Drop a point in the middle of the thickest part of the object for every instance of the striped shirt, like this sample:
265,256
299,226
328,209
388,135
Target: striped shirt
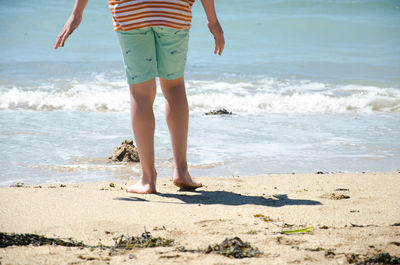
136,14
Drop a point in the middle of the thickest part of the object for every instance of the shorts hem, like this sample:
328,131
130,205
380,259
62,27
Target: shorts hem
171,77
131,81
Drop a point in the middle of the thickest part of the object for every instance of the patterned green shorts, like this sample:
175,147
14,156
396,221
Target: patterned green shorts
154,51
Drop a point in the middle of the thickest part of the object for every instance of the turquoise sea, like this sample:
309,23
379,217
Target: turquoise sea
314,85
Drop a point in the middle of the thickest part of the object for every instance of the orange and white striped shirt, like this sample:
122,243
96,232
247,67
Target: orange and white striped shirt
136,14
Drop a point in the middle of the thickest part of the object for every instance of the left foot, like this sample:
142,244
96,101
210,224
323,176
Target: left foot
185,182
141,188
144,185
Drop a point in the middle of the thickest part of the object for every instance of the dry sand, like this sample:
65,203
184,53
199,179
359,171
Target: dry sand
95,213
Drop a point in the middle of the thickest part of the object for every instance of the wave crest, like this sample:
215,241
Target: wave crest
263,95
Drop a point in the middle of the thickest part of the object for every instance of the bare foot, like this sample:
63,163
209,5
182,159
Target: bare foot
143,186
185,182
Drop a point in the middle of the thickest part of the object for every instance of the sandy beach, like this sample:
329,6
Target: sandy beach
353,216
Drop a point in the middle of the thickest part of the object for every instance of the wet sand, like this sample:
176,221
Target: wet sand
352,216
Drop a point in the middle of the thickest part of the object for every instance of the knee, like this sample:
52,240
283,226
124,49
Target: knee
142,96
174,91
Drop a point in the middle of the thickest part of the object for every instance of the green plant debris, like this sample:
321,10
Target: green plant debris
305,230
159,228
234,248
383,258
265,218
259,215
7,239
335,196
146,240
251,232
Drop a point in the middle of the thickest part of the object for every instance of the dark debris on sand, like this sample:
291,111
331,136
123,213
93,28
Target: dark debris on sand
234,248
335,196
381,259
146,240
127,152
12,239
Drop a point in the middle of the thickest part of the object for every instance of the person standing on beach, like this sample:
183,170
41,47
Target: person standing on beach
153,36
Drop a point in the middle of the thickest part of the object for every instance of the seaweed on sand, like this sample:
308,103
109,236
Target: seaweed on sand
12,239
383,258
234,248
146,240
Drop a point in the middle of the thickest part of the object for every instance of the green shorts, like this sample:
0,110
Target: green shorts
154,51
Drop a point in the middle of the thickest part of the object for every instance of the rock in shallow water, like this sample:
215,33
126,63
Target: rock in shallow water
219,112
127,152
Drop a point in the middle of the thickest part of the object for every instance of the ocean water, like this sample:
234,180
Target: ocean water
314,85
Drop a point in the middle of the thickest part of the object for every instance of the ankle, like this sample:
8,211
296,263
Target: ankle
181,168
149,178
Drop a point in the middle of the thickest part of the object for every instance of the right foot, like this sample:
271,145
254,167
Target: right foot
185,182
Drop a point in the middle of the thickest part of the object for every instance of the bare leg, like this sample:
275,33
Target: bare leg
177,114
143,124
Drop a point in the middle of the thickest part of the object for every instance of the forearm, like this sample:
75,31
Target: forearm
209,8
79,7
72,23
214,26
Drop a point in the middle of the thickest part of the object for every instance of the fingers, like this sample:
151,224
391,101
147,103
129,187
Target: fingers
219,45
59,40
72,23
65,36
218,33
62,38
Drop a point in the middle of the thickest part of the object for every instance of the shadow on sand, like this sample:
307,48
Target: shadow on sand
225,198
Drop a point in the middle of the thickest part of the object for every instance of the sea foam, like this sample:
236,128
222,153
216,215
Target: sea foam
259,96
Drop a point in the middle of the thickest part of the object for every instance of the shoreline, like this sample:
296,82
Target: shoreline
351,213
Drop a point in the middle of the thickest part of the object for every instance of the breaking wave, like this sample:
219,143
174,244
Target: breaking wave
262,95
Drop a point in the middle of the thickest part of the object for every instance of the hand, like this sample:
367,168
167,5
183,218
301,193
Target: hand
218,33
72,23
